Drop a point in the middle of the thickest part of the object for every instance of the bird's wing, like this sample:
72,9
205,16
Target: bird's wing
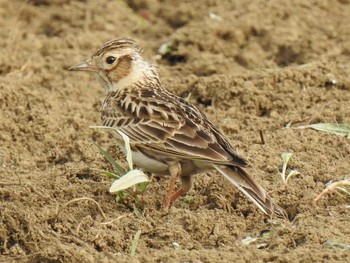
158,120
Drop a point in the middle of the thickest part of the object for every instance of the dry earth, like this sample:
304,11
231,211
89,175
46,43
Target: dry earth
251,66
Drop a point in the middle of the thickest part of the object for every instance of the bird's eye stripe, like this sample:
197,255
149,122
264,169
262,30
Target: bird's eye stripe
110,60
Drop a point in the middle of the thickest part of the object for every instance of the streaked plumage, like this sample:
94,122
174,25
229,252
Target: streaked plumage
168,135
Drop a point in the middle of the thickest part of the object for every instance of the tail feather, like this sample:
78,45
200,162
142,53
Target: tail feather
246,184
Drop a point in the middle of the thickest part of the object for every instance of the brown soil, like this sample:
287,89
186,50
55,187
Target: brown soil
255,66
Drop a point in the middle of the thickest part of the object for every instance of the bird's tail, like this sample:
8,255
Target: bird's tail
246,184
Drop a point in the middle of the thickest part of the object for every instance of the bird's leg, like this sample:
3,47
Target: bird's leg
175,171
185,187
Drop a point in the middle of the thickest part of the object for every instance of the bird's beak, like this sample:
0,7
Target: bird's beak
84,66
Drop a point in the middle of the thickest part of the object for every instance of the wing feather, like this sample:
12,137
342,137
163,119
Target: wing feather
167,124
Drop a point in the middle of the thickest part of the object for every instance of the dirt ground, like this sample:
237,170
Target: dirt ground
251,66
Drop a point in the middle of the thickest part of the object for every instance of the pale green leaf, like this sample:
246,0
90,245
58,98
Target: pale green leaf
110,159
343,190
338,129
292,173
142,187
137,212
336,244
166,49
126,140
285,159
107,173
134,243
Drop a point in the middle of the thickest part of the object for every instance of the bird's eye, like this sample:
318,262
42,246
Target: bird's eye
110,60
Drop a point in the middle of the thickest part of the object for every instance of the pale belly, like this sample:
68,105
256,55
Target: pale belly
148,164
160,164
145,163
188,167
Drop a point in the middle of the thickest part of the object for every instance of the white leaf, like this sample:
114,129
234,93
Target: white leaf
128,149
247,240
215,16
292,173
129,179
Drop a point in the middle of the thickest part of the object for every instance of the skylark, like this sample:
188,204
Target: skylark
168,135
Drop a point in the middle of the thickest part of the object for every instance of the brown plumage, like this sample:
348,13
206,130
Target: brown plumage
168,135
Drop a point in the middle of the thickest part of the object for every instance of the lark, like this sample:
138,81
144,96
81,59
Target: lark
168,135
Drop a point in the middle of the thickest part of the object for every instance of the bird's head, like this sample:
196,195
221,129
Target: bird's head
117,63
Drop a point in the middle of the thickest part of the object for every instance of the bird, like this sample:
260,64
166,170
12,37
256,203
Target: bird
168,135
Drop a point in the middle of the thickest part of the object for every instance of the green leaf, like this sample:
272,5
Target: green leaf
126,141
134,243
109,174
120,195
286,157
142,187
166,49
336,244
110,159
137,212
186,200
265,234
